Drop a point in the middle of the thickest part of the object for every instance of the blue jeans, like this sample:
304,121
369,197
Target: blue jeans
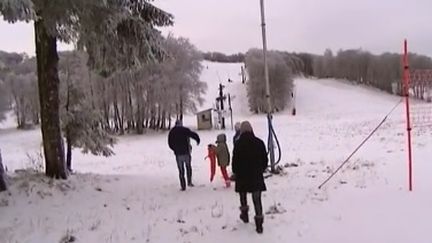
182,161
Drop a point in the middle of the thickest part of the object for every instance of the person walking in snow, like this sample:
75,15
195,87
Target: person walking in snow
179,142
249,163
223,157
235,139
211,154
237,132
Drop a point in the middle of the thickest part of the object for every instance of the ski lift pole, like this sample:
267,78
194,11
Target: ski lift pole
268,97
231,111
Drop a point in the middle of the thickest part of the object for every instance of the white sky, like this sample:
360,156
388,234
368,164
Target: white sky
293,25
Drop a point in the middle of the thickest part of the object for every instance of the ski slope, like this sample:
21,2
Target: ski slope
134,196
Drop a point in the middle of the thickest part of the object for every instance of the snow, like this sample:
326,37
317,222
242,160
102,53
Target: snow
134,196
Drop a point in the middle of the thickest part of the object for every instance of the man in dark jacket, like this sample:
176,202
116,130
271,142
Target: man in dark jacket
249,163
179,142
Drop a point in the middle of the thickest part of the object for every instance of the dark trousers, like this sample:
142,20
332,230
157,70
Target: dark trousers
182,162
256,198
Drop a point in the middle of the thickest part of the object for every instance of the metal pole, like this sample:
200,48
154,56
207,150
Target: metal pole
267,80
231,111
221,99
407,108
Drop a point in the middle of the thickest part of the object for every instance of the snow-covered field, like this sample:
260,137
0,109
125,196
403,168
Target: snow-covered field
134,196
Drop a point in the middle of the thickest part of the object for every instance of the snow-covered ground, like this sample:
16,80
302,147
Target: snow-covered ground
134,196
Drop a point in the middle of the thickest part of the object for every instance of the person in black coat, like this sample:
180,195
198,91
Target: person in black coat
179,142
248,164
235,139
237,132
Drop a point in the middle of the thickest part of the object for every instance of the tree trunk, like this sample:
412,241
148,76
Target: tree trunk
131,118
169,119
158,120
163,120
122,111
116,115
139,117
36,118
48,82
69,150
106,109
91,89
68,129
3,186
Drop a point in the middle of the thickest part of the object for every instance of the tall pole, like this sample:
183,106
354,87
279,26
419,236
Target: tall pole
267,81
407,107
221,100
231,111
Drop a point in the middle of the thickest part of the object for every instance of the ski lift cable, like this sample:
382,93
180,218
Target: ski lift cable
361,145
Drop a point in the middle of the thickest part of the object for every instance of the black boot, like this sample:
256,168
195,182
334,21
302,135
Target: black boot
182,184
189,181
259,220
244,214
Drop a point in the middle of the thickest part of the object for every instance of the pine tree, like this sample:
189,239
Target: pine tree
115,33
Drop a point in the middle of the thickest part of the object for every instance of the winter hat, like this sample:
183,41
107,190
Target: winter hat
246,127
237,126
179,123
221,138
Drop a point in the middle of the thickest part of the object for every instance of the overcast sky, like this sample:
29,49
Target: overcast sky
293,25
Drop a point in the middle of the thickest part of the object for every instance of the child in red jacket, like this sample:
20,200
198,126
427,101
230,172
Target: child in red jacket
221,153
211,154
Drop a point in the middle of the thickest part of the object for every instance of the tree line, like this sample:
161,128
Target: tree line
223,58
121,36
121,49
94,107
359,66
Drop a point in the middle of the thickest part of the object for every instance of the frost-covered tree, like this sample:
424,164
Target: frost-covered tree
148,97
80,120
115,33
7,62
21,80
281,80
360,66
182,80
4,100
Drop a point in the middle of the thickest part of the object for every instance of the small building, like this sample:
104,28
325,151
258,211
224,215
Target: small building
205,119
